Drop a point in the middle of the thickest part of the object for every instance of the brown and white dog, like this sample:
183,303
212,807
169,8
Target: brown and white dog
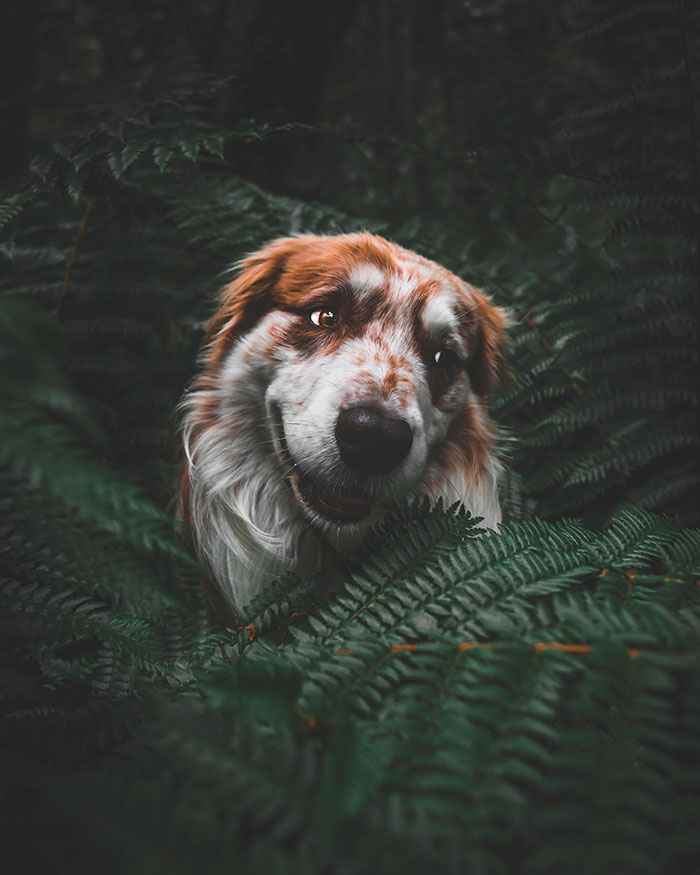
340,374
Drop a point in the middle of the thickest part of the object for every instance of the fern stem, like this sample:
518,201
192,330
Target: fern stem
538,647
71,259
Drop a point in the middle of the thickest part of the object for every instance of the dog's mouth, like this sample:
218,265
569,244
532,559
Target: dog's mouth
337,507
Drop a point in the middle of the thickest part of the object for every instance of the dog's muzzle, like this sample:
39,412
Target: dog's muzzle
370,441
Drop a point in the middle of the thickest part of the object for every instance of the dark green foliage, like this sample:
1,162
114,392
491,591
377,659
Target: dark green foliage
383,722
454,700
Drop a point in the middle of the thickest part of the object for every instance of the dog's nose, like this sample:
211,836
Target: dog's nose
372,441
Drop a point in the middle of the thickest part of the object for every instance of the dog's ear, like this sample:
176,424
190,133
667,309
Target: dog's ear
245,300
487,339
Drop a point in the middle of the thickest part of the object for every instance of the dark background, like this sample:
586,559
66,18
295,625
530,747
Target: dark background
413,93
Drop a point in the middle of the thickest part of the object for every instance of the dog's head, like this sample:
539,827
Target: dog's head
357,371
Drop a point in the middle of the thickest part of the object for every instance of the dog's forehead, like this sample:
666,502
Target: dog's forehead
377,272
366,279
410,288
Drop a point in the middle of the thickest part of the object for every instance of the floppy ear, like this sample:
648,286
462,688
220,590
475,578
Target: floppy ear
487,364
244,301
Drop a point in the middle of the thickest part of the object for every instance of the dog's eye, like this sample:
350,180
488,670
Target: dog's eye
446,359
323,318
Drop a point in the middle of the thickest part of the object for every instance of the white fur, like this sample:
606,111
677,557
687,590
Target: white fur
439,314
366,278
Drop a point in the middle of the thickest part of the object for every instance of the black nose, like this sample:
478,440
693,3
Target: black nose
371,441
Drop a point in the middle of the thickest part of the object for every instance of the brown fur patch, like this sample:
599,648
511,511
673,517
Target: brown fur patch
467,446
485,328
390,383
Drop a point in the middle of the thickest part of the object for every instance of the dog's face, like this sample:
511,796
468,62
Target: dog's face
357,370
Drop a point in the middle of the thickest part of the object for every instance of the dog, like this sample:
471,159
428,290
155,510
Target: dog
340,374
